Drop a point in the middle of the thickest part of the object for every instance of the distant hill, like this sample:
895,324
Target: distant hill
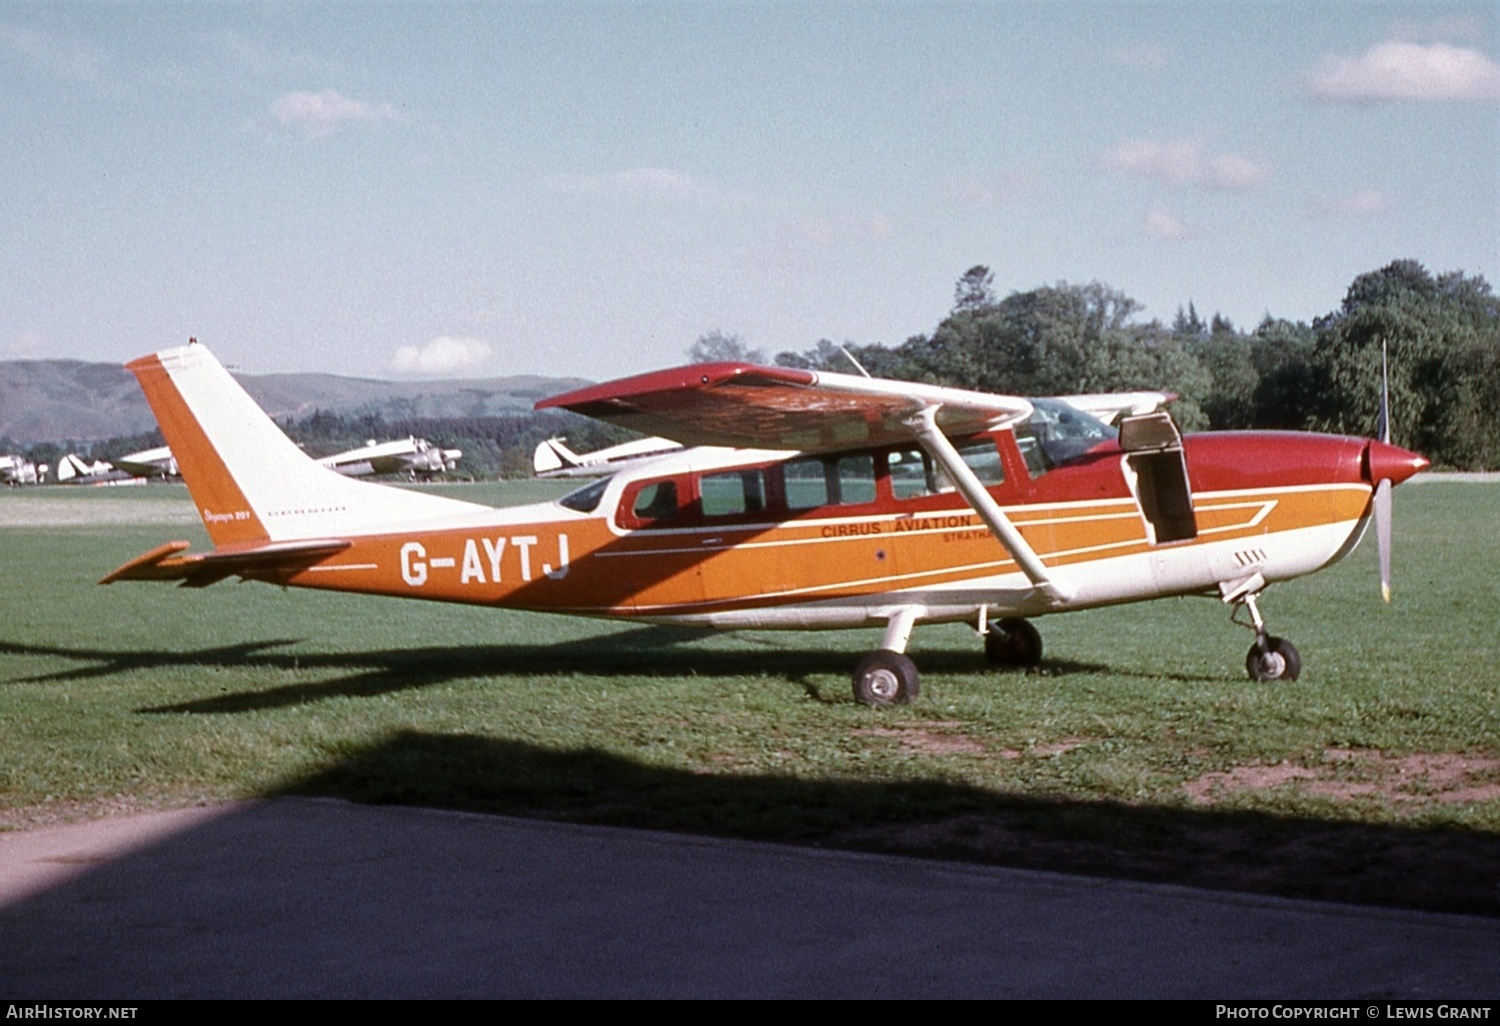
74,401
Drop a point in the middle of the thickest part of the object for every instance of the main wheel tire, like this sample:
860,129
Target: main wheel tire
1273,659
884,678
1013,643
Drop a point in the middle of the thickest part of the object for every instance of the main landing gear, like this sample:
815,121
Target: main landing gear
888,677
1013,642
1270,658
885,678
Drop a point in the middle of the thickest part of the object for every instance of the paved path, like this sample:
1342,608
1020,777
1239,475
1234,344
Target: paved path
301,897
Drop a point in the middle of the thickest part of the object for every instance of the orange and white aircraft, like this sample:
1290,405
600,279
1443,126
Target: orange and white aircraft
804,500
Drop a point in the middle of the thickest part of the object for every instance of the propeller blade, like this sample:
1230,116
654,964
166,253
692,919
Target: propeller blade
1383,534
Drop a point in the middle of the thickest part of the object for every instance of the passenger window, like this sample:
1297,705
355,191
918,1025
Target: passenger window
853,479
813,482
806,484
656,501
734,493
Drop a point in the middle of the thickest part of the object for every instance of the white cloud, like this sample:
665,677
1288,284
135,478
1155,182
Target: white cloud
645,182
28,345
442,355
1365,203
320,113
1166,226
1186,162
1399,70
989,191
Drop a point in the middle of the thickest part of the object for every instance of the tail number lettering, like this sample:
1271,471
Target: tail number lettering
482,560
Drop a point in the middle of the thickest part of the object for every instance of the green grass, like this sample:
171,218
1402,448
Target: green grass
1376,777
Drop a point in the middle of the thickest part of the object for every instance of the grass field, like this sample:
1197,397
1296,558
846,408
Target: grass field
1138,748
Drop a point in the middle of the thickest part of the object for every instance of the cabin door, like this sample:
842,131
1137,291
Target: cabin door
1156,471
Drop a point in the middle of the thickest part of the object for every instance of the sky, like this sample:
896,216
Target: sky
463,190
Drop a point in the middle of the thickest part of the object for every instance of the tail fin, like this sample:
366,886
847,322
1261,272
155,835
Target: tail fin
552,458
250,482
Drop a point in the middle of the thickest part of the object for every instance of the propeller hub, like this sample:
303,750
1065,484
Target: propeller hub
1386,462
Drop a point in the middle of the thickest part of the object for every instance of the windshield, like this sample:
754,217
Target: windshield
1056,433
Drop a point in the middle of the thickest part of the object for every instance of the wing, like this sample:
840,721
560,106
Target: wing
745,406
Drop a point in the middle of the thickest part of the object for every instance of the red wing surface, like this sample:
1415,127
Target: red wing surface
750,407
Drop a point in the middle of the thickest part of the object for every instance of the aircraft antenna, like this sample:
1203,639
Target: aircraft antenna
857,365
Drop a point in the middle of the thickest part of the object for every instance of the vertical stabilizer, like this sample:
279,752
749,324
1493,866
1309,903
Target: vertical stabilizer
249,480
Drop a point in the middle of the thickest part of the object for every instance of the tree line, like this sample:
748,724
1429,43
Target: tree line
1442,333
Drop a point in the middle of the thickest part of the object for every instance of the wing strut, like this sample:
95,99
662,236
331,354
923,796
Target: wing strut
973,490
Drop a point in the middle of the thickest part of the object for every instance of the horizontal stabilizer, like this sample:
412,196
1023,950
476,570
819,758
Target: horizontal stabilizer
198,570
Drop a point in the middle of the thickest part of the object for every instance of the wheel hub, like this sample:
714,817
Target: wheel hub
1273,665
883,684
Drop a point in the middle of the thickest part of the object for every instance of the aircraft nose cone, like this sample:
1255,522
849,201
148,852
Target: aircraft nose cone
1386,462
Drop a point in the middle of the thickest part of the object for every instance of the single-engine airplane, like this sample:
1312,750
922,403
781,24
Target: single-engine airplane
804,499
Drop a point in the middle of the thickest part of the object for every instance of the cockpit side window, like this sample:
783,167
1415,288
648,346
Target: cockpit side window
911,473
914,473
1057,433
983,459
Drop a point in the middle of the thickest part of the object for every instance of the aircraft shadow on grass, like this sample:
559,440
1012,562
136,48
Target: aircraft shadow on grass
643,651
1439,869
1434,869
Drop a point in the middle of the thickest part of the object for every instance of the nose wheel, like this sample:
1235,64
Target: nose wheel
1270,658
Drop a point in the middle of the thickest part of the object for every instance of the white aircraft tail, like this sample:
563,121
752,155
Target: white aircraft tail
251,483
553,457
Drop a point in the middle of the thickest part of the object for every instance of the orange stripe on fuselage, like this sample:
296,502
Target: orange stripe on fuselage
582,566
226,512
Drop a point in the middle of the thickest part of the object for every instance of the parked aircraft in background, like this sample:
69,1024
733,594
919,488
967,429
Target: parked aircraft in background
74,469
18,470
554,459
148,463
810,500
137,467
415,457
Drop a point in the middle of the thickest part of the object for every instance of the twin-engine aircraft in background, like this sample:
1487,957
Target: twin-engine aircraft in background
801,499
414,457
137,468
